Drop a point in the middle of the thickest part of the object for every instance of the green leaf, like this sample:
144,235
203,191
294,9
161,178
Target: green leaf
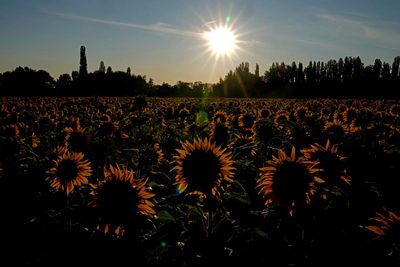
242,198
260,233
165,216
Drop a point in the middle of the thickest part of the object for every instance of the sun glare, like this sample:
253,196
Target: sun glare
221,40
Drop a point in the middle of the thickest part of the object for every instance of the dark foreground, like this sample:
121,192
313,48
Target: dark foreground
258,182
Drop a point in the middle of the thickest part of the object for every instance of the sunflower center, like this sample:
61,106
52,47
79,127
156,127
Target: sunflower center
67,170
106,128
202,169
330,164
77,141
291,181
221,134
336,130
117,202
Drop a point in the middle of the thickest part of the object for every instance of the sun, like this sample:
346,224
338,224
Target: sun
222,41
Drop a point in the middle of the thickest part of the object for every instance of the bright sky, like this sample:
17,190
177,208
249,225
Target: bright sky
162,39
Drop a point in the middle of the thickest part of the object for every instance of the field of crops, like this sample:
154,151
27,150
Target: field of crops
195,182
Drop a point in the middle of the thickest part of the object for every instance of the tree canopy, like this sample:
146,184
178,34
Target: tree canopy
348,77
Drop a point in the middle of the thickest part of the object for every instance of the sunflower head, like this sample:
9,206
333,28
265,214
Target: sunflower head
325,113
300,113
385,223
202,168
264,113
119,199
288,181
183,114
350,114
11,130
394,110
263,130
243,146
339,116
219,133
70,170
335,130
107,128
76,139
34,140
221,117
342,108
281,117
160,154
330,161
246,120
105,118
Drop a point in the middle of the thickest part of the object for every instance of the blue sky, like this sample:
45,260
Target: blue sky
157,38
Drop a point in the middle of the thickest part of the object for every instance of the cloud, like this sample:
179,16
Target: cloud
385,34
156,27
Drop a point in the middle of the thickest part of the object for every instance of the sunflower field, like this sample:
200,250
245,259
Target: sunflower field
199,182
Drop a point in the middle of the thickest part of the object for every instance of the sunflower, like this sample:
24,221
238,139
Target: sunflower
219,133
221,117
349,115
387,223
76,139
288,181
119,198
11,130
160,154
243,145
300,113
263,130
246,121
335,130
105,118
330,161
339,116
203,168
183,114
107,129
325,113
264,114
59,151
34,140
70,170
394,110
281,117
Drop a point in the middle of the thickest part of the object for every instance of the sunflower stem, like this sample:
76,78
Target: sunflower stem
69,222
210,222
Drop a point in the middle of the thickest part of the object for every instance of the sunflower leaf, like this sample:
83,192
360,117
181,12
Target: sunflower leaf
261,233
165,217
242,198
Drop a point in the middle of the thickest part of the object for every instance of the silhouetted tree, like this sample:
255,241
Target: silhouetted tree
63,83
83,63
385,71
293,72
342,78
300,74
341,69
109,70
377,68
257,71
27,82
75,75
102,67
395,67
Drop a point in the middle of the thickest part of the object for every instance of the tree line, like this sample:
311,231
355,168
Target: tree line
348,77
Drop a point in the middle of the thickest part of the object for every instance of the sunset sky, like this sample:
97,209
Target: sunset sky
163,39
